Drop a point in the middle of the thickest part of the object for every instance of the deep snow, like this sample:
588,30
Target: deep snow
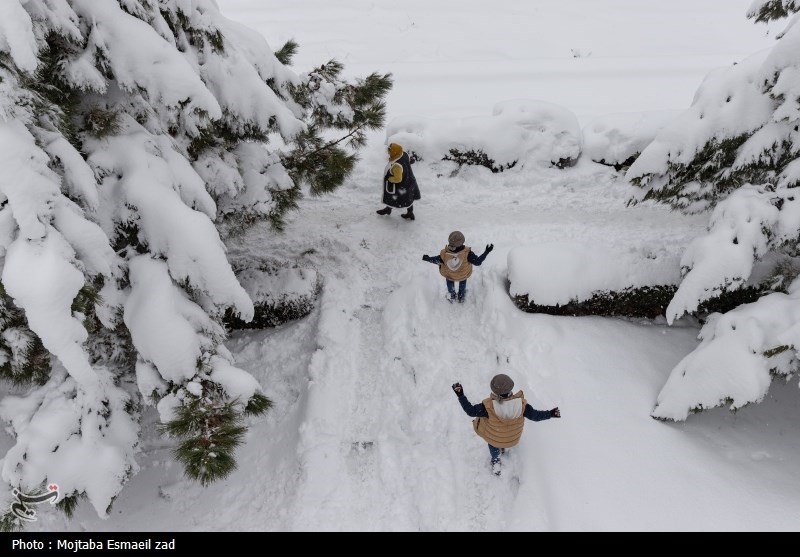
365,434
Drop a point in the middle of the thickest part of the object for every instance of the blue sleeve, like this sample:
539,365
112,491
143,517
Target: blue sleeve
435,259
473,410
477,259
536,415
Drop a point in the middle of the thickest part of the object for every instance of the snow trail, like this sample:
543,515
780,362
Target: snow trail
366,434
381,422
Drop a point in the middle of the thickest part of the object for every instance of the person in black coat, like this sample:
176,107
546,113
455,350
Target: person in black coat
400,188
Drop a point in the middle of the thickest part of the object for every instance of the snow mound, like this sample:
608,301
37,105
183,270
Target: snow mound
273,285
559,272
518,132
617,138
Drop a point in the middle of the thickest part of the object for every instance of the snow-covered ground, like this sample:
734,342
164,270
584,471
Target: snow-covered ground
457,58
365,434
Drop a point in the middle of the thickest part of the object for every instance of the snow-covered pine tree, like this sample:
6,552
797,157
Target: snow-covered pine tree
736,152
134,135
764,11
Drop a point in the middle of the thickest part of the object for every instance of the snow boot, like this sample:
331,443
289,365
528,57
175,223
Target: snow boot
385,211
461,298
496,467
451,297
409,214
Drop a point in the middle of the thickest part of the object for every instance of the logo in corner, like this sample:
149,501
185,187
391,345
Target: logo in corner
23,509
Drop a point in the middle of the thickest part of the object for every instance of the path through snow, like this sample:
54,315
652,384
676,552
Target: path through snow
385,444
366,434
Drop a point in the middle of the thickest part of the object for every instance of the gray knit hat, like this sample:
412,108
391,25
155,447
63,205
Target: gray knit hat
456,239
501,384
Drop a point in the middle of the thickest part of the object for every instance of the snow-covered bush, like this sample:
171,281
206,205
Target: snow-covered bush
280,293
518,132
618,139
131,133
736,151
568,278
558,272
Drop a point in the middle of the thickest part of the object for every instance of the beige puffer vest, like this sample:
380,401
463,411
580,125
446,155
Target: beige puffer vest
455,266
496,431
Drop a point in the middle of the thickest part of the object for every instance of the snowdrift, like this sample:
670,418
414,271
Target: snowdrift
518,132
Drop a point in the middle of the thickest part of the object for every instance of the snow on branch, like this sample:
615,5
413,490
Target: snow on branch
688,163
743,228
17,37
82,439
740,352
167,328
143,172
142,62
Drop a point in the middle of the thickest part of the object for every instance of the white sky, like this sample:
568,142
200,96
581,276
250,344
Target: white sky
366,433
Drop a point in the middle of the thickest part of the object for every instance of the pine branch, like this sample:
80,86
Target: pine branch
330,70
28,360
68,504
294,160
285,53
212,430
374,86
257,405
10,523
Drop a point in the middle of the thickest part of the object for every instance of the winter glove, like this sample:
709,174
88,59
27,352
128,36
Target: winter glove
489,247
458,389
555,413
426,257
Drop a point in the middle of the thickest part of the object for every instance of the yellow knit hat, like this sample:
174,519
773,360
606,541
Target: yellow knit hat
395,151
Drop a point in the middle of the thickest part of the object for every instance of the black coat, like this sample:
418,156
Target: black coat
404,193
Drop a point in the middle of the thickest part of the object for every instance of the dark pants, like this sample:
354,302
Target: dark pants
462,288
495,452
